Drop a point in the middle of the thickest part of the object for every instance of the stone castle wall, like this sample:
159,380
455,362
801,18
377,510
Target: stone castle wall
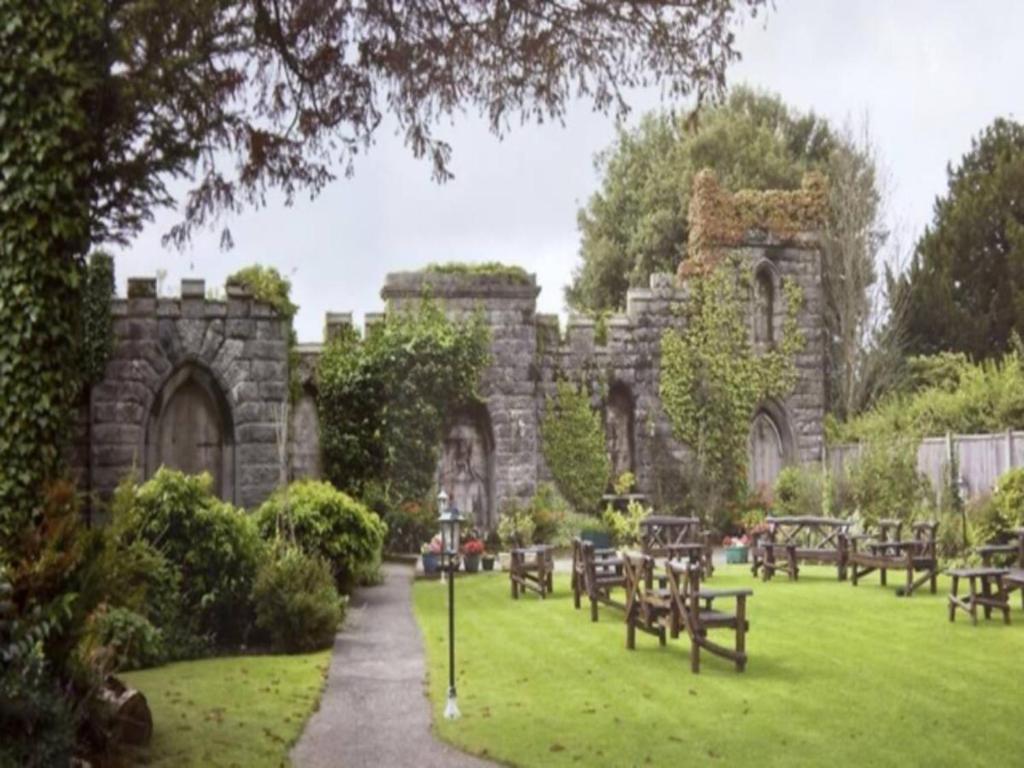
193,383
204,385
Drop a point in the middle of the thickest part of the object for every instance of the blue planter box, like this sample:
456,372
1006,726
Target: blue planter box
736,554
600,539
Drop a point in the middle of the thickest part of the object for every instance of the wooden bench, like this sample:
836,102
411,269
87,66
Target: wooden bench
595,573
790,541
692,607
888,552
531,568
1014,554
676,538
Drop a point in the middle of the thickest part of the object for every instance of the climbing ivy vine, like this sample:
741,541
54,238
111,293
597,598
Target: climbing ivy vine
712,377
45,87
384,401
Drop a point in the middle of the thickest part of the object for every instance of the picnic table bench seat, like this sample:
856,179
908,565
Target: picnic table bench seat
531,568
684,606
595,573
888,551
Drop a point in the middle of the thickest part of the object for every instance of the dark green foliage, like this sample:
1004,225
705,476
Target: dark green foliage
410,524
383,402
637,223
44,686
572,438
267,285
945,393
327,523
886,484
214,547
798,491
965,287
45,83
97,321
296,602
994,518
506,272
133,642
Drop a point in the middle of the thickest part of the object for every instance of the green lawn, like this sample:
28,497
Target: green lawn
838,675
243,711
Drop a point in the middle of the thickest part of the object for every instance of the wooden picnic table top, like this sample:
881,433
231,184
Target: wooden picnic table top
983,571
668,520
808,520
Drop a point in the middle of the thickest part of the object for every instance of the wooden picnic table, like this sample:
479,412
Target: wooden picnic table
889,551
675,537
791,540
993,592
1014,579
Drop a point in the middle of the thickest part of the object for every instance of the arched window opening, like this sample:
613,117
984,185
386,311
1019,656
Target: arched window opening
764,308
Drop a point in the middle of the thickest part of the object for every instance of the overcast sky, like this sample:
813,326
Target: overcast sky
928,75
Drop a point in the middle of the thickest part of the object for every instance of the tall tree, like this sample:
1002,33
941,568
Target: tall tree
964,289
102,102
636,223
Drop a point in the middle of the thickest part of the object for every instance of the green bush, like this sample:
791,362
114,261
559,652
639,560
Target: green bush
548,510
885,482
409,525
1009,499
515,526
327,523
572,438
134,643
297,605
799,491
946,393
214,547
384,401
625,526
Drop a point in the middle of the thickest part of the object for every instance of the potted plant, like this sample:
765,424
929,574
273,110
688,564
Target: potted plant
597,533
431,554
471,552
736,548
492,545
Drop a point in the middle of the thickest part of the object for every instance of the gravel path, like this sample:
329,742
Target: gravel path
374,711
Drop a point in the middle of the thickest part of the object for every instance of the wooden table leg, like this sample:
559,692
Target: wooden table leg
986,593
953,598
972,600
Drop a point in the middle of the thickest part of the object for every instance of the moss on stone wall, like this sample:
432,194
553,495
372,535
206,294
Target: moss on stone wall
720,219
512,274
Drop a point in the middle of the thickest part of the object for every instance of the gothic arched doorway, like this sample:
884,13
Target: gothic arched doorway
190,429
768,451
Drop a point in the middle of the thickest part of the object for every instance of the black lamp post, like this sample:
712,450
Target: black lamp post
449,518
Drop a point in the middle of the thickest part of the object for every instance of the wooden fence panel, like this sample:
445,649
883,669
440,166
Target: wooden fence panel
982,459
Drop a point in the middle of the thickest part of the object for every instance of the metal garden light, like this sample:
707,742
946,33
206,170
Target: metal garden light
449,518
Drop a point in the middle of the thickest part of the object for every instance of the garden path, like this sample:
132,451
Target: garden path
374,711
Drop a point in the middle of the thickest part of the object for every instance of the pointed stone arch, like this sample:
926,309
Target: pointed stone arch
620,429
770,445
466,470
190,427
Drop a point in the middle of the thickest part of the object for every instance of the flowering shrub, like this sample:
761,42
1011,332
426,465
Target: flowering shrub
432,547
473,547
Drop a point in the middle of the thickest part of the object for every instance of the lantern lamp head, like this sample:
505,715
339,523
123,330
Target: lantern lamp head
449,519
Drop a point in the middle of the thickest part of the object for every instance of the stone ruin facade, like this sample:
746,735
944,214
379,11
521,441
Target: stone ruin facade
201,384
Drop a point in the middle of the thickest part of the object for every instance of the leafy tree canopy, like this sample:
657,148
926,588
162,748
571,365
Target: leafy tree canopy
636,223
965,286
248,95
